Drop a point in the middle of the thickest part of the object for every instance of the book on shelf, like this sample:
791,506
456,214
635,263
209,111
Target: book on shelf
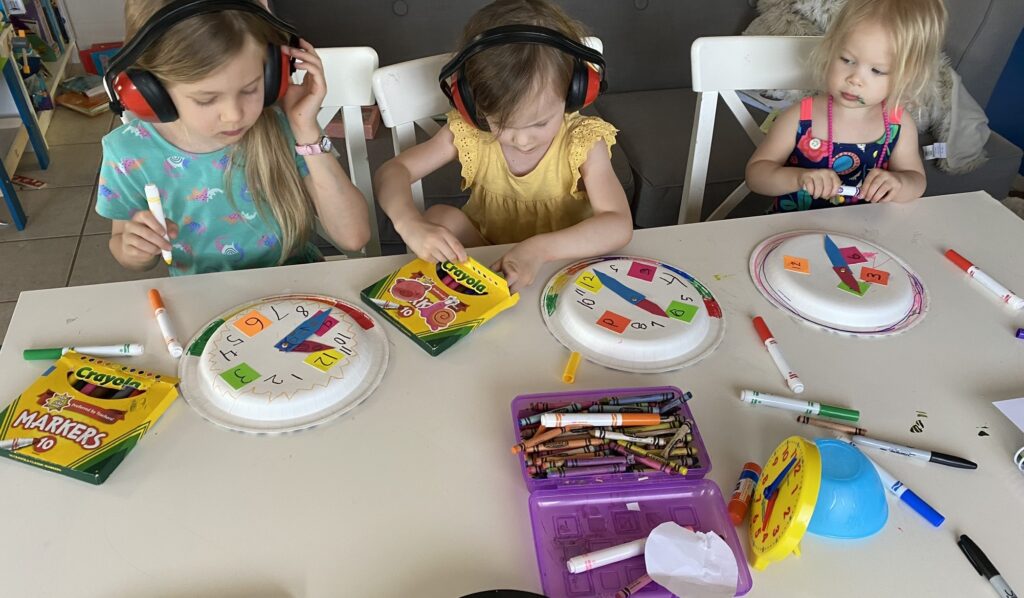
85,105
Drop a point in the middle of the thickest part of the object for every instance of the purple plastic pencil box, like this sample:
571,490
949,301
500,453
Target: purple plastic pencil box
574,516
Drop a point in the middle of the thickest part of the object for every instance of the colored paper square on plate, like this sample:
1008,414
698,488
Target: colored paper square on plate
251,323
874,276
240,375
864,286
853,255
588,281
642,271
324,360
799,265
683,312
613,321
329,323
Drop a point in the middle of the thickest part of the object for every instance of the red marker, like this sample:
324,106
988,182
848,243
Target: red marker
794,382
1007,296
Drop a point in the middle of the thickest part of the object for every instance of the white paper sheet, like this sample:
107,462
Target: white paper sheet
691,564
1013,409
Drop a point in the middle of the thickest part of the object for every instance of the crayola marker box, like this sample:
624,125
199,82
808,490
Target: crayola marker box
83,416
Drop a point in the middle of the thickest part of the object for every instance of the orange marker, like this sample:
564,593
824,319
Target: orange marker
741,494
162,319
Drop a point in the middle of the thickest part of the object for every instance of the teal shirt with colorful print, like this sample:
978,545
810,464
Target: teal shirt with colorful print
215,233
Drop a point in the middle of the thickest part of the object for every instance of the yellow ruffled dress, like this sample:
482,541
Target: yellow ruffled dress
506,208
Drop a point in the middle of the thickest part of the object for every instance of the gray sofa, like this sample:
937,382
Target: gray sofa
647,48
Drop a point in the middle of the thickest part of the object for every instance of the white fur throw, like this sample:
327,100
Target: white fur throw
946,110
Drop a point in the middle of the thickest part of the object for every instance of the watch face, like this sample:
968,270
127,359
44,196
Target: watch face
784,499
632,313
325,143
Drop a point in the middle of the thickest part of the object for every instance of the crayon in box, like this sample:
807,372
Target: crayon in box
55,426
436,305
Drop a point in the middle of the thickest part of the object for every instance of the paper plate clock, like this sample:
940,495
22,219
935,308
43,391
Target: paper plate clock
839,283
632,313
283,363
784,500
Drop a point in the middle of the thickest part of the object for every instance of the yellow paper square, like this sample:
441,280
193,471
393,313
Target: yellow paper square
324,360
588,281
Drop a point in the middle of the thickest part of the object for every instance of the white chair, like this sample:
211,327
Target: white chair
720,67
409,96
349,72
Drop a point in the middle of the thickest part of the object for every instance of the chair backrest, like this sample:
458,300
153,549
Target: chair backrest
721,66
349,73
409,96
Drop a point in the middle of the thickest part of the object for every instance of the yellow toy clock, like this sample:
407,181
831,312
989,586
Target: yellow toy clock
784,500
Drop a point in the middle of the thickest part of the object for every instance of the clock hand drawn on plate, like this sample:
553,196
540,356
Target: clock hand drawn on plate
842,269
634,297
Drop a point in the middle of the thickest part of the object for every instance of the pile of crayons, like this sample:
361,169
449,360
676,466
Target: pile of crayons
647,432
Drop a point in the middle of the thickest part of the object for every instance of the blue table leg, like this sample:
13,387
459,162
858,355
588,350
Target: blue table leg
11,199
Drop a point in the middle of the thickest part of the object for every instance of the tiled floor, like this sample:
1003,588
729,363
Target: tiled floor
65,243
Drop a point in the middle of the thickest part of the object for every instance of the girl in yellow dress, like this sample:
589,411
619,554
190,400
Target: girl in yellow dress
540,174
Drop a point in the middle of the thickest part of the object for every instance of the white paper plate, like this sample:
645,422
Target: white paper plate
584,312
816,296
234,376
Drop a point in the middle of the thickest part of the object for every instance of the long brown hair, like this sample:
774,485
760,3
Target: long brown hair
916,27
501,77
192,49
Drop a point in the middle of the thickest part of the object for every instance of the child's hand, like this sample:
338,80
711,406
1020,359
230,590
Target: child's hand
431,242
142,238
301,103
520,265
880,185
820,182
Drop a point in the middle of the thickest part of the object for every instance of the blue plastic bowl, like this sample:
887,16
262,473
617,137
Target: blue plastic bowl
851,501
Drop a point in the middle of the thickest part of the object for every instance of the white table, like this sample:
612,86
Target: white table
196,510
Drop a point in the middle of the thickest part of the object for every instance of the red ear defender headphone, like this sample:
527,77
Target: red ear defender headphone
586,83
141,93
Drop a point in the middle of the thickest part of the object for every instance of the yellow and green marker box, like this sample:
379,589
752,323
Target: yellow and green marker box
83,416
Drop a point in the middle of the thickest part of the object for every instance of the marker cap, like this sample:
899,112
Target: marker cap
42,354
962,262
922,508
762,329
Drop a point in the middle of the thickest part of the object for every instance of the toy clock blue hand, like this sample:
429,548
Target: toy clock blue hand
772,488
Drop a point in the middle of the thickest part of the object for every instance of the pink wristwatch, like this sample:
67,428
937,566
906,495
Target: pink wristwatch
322,146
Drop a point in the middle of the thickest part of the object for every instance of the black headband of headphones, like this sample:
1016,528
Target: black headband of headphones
178,11
521,34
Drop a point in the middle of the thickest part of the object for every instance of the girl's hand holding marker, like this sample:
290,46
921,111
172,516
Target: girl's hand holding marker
148,234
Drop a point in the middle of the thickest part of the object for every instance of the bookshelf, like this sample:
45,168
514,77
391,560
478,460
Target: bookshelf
21,126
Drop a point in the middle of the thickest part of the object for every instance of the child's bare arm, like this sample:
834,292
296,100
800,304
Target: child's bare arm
767,173
905,180
609,229
339,204
392,181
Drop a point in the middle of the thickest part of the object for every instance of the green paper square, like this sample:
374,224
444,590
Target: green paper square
864,286
240,375
683,312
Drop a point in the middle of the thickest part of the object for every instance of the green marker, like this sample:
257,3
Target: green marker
806,407
125,350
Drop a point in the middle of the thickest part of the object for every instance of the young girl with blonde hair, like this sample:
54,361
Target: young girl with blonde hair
219,131
540,174
855,142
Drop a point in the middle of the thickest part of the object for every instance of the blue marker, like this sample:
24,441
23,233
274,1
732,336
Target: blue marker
907,495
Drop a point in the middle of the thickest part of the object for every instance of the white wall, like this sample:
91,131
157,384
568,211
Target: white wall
96,20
